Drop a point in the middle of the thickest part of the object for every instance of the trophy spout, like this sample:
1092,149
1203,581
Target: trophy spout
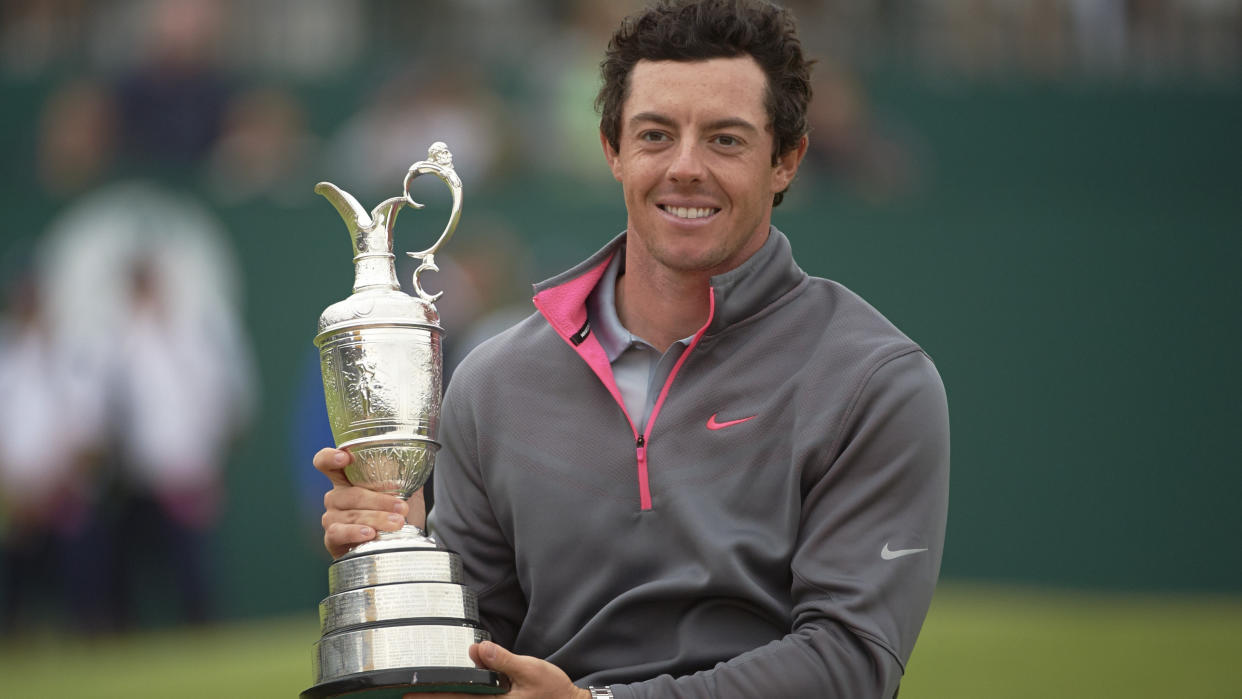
346,205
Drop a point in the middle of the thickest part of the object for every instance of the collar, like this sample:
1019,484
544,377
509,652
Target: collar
613,336
739,293
602,310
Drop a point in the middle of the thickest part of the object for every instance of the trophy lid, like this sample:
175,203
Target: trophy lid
377,307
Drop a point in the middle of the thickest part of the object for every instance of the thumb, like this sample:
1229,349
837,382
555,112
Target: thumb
493,657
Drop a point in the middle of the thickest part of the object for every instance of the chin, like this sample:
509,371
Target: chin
692,260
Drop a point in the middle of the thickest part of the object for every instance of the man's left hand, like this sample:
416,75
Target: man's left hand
532,678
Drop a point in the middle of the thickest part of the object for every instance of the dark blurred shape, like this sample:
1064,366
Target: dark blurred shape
77,137
45,473
172,104
848,145
264,149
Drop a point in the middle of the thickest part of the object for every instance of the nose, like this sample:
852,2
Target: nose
687,163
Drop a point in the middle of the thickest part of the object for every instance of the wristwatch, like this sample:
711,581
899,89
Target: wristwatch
601,692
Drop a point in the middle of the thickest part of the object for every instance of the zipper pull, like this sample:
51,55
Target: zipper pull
641,442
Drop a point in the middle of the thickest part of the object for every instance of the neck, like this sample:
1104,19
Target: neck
662,307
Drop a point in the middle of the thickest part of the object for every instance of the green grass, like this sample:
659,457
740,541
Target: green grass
268,658
988,642
978,642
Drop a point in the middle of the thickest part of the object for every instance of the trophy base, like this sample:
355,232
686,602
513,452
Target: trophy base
394,684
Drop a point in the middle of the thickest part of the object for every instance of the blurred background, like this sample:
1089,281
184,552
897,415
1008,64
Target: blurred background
1046,194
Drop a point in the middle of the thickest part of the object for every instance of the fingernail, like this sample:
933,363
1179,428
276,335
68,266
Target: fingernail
341,458
368,532
487,651
400,507
396,519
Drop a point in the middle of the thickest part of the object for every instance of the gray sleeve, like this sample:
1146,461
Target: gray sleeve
868,555
463,521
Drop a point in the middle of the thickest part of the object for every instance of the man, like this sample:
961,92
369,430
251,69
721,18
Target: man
695,472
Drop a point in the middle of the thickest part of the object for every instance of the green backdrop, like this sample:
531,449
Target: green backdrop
1069,257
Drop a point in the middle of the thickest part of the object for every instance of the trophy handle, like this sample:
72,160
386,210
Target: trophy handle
439,163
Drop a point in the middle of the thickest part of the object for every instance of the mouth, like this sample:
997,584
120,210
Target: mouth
689,213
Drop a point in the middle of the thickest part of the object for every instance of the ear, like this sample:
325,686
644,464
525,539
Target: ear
787,165
610,154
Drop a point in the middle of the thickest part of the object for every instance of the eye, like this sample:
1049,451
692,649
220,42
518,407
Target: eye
727,141
653,136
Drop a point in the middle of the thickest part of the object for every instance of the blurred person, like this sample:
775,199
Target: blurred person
1100,35
36,34
300,39
1155,42
410,112
564,80
173,418
263,150
497,265
695,471
142,293
172,103
849,146
44,464
1213,36
76,138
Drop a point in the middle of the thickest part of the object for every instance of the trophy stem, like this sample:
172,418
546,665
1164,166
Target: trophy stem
407,537
407,531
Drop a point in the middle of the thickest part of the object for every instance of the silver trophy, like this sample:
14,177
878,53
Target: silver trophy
397,617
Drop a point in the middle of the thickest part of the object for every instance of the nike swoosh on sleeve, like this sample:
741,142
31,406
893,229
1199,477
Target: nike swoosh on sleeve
888,554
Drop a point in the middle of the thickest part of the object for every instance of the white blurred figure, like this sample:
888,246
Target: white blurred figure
44,462
176,403
142,290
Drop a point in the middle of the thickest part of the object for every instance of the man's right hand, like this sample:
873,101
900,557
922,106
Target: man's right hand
353,515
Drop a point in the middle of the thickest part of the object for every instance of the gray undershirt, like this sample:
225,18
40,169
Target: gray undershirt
639,369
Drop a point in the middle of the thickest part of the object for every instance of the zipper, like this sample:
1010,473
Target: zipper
644,489
643,440
577,340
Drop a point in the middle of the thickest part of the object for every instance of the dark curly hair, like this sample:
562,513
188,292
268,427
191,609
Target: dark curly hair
695,30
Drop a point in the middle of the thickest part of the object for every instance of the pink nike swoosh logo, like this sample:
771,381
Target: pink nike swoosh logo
713,425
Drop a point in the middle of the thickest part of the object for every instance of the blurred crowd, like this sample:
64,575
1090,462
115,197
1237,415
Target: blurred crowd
219,87
317,39
102,439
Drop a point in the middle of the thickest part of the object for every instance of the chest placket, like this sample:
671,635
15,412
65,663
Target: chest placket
643,441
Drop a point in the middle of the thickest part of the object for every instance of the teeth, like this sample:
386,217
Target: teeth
685,212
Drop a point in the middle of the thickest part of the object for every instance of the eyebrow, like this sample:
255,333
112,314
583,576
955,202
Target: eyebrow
718,124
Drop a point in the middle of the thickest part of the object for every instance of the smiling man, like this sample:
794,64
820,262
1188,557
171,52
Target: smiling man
695,471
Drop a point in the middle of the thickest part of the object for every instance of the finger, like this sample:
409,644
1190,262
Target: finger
350,520
356,498
331,463
339,538
379,520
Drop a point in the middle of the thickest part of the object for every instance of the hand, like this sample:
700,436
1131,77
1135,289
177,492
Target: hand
353,515
532,678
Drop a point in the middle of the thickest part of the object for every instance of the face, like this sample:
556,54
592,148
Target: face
694,159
